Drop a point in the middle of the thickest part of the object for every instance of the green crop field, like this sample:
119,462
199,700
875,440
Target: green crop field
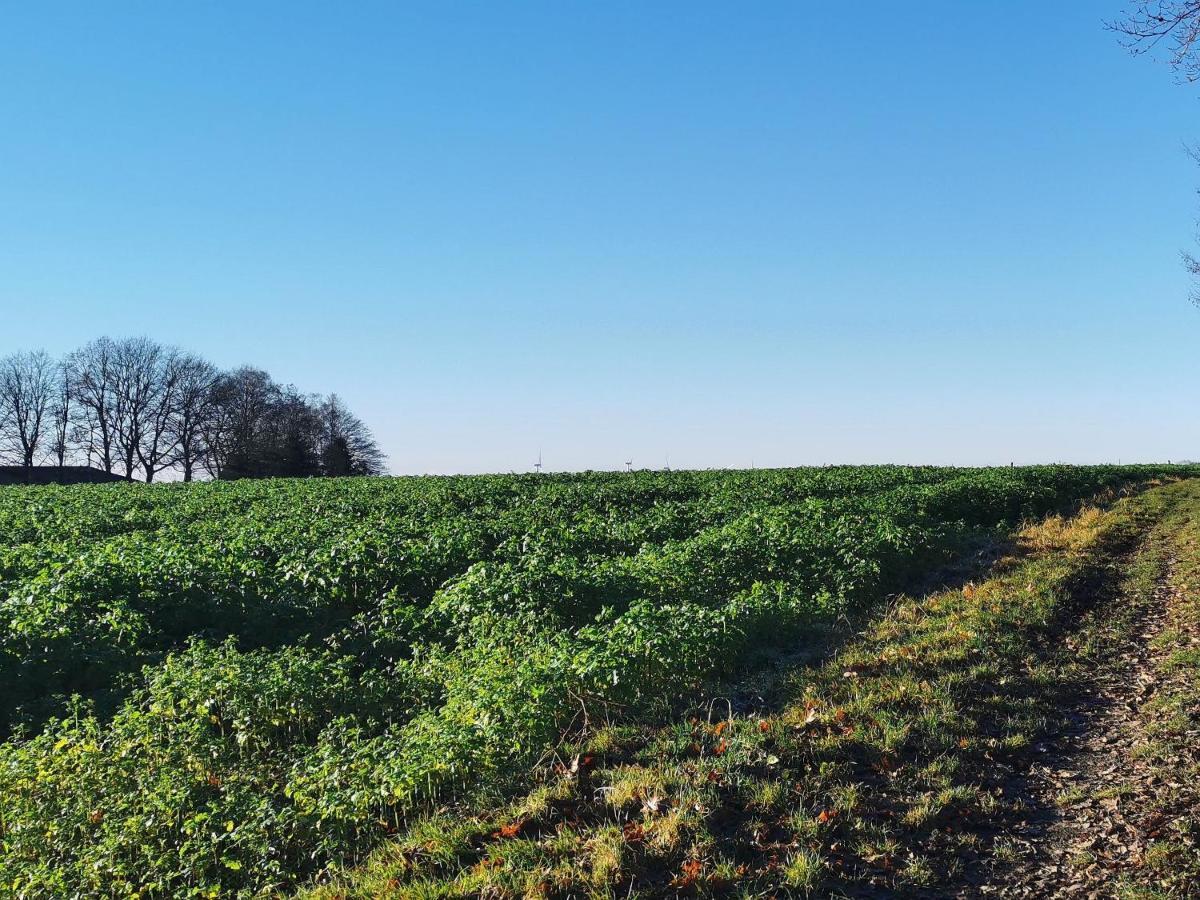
252,687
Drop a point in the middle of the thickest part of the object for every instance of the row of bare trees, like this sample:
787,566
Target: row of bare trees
137,408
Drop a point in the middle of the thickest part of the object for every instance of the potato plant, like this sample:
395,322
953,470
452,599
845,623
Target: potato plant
220,689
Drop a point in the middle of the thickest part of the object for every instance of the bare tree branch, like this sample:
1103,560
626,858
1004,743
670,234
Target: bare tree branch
1149,22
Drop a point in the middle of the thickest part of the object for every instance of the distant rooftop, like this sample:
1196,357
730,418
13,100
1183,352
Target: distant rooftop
55,475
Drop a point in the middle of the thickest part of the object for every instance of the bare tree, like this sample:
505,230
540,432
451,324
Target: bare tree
138,387
290,439
27,387
156,449
242,400
60,412
1150,22
91,372
347,445
193,412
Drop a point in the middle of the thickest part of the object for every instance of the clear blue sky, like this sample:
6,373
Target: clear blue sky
770,233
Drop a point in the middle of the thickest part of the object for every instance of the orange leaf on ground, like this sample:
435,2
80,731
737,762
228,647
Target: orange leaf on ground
692,870
511,830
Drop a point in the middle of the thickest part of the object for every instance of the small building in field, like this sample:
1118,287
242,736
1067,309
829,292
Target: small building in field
56,475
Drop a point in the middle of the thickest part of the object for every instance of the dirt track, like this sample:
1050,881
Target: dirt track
1090,806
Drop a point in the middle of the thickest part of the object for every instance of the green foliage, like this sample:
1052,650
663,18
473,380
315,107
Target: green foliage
227,688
